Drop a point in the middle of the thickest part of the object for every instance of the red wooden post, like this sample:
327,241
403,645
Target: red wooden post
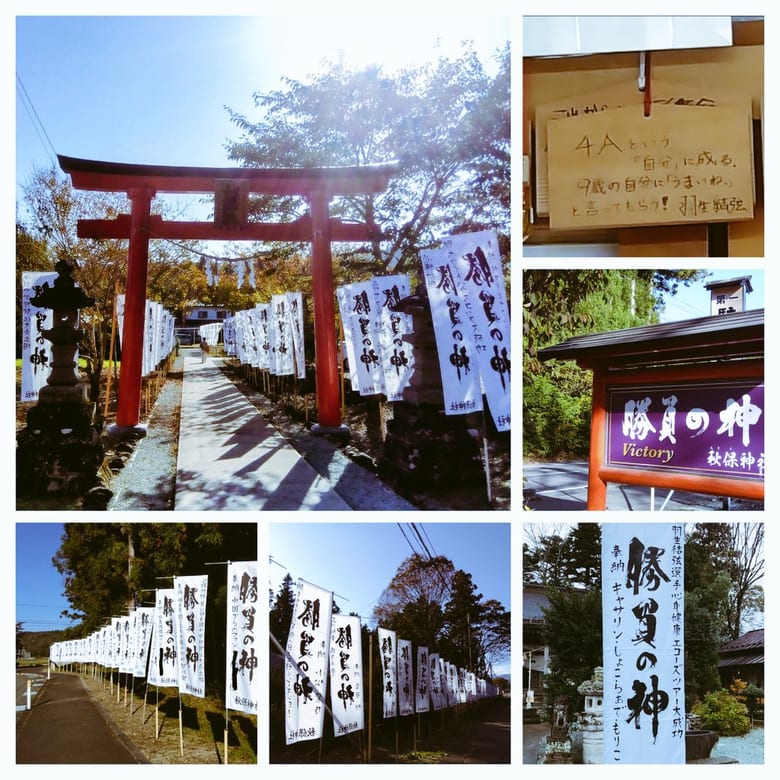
128,408
597,488
325,342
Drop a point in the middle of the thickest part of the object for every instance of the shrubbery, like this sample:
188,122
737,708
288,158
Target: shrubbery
722,712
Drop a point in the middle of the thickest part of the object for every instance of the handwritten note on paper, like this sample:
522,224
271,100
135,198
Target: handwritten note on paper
679,165
620,95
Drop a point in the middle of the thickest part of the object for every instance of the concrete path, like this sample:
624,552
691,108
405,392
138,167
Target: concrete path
229,458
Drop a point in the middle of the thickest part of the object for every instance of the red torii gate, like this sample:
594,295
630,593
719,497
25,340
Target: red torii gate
231,188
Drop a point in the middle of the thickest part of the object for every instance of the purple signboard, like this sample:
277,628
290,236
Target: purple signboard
714,428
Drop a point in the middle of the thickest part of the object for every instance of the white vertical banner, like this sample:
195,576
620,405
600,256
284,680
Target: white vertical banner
104,643
346,674
644,683
242,681
125,651
262,335
388,655
295,309
405,678
243,337
163,664
144,618
36,349
147,357
452,684
454,335
392,326
120,317
475,259
251,352
435,680
471,686
273,337
229,334
116,642
190,631
306,666
282,334
422,689
359,319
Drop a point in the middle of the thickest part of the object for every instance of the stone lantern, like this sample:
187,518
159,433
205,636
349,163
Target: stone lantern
592,720
59,451
423,446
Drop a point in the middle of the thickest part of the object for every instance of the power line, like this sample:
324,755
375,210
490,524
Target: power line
40,130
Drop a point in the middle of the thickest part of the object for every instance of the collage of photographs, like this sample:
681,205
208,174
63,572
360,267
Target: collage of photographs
264,268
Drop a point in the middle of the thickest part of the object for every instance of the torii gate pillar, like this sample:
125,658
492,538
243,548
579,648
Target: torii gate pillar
233,186
129,402
325,343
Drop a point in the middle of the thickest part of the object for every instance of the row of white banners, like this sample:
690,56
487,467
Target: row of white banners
269,336
166,643
322,646
470,313
159,338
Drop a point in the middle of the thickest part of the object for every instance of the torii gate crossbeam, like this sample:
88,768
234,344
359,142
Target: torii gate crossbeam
231,188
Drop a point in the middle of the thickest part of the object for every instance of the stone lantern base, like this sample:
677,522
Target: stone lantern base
423,447
59,452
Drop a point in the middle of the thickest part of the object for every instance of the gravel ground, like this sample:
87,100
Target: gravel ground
147,480
748,749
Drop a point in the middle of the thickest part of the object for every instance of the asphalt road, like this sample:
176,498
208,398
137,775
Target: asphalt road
67,726
564,487
36,678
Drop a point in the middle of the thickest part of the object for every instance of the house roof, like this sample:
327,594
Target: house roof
745,650
750,641
739,335
743,280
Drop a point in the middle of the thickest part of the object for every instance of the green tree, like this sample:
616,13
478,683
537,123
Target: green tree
736,550
436,606
704,634
462,612
582,556
573,632
560,304
281,615
32,254
446,123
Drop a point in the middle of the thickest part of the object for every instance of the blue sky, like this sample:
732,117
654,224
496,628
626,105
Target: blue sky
357,561
694,301
153,89
39,585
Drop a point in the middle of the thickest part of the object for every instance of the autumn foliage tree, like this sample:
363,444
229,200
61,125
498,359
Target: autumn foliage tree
446,124
437,606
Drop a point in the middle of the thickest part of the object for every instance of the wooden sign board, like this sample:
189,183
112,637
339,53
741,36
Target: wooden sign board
619,95
681,164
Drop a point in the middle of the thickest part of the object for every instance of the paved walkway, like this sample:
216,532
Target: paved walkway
66,726
230,458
